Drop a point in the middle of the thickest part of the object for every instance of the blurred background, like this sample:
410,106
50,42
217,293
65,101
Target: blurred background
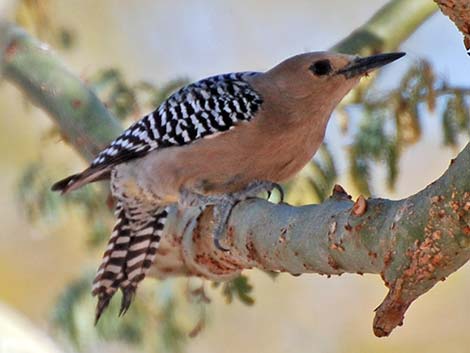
411,122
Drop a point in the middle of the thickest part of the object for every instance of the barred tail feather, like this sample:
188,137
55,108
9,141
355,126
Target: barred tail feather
111,271
130,254
142,254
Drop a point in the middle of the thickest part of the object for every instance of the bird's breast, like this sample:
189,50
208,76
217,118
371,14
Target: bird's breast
228,161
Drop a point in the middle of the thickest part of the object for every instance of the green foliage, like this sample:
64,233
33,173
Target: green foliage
35,16
372,143
40,204
162,317
237,288
172,336
125,99
34,196
322,172
455,118
64,312
393,122
315,181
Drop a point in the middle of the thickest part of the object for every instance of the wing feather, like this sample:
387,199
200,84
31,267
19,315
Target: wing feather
212,105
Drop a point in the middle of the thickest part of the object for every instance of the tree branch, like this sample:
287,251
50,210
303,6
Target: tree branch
83,120
389,27
459,12
383,32
412,243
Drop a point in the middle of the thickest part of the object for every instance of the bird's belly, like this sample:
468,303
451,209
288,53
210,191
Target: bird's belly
231,169
228,166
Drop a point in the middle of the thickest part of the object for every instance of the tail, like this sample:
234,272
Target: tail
76,181
130,254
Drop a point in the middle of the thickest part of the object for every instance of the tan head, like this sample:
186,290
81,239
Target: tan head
323,77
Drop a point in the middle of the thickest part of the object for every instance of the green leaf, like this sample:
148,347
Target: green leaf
449,124
34,196
238,287
392,158
462,114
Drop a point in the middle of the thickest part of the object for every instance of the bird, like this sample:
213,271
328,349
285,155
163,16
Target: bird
215,142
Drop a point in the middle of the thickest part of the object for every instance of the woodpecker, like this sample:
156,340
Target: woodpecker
214,142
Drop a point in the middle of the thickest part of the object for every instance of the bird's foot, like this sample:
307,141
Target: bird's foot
257,187
223,204
190,198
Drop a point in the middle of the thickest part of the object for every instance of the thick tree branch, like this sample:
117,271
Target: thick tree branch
459,12
389,27
384,32
83,120
412,243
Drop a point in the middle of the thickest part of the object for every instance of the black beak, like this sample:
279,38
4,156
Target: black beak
362,66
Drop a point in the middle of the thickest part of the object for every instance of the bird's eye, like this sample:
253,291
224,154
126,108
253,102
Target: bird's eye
321,67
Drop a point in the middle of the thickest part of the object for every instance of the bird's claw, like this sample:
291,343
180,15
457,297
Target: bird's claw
279,189
219,246
224,204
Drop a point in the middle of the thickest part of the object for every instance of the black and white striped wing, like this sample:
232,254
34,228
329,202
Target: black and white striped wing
212,105
200,109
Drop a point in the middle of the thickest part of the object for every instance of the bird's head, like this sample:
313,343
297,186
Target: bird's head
324,75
